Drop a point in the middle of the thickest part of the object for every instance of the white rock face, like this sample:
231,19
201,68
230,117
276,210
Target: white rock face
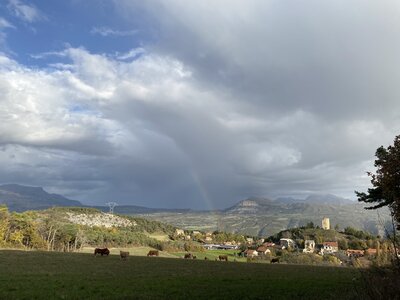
100,219
249,203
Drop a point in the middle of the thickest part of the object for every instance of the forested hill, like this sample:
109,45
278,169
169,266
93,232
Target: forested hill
69,228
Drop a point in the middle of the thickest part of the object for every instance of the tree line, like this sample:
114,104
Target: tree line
46,230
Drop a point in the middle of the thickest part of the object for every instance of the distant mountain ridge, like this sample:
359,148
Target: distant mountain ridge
264,217
259,204
21,198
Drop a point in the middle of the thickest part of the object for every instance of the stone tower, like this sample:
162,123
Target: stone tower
325,224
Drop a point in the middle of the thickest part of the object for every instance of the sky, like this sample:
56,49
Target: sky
196,104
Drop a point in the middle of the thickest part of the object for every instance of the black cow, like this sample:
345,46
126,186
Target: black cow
101,251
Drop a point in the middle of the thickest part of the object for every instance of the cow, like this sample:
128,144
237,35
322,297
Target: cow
205,258
188,256
153,253
275,260
223,258
101,251
123,254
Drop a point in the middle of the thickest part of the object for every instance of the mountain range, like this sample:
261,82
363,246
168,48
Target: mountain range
21,198
254,215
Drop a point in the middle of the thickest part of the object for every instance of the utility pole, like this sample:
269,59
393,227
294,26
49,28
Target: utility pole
111,205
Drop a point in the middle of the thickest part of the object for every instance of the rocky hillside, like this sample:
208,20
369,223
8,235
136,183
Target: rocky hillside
99,219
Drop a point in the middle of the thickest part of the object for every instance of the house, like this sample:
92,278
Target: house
250,253
195,232
179,232
208,239
354,253
249,240
263,250
309,246
287,243
269,244
329,248
370,252
209,246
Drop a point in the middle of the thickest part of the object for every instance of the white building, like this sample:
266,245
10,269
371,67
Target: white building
287,243
325,224
329,248
309,246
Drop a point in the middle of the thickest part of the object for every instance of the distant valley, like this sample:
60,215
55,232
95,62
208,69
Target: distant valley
264,217
254,216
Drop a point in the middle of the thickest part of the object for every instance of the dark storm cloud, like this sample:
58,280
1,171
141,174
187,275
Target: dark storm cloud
231,99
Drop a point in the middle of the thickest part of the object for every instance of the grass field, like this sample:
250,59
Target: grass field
213,254
52,275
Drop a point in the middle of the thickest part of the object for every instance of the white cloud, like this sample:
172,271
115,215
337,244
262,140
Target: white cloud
26,12
5,24
132,54
106,32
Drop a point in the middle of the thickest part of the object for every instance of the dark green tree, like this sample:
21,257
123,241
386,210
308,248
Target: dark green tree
385,181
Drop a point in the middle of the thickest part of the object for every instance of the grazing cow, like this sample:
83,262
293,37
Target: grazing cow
223,258
205,258
123,254
153,253
101,251
275,260
188,256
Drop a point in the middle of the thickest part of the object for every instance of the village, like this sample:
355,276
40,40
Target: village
329,245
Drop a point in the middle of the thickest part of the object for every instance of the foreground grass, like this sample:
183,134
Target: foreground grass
51,275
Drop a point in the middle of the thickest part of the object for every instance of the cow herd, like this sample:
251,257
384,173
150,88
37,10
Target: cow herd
125,254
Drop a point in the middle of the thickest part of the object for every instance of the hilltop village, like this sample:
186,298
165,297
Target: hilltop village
309,245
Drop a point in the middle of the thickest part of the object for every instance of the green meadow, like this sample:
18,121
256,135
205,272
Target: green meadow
54,275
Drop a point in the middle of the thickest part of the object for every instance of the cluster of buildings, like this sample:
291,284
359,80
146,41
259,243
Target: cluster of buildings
328,247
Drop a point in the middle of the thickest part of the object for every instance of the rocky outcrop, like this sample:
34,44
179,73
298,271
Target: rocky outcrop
99,219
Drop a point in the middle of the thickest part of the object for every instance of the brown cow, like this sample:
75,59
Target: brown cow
188,256
101,251
223,258
275,260
205,258
153,253
123,254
